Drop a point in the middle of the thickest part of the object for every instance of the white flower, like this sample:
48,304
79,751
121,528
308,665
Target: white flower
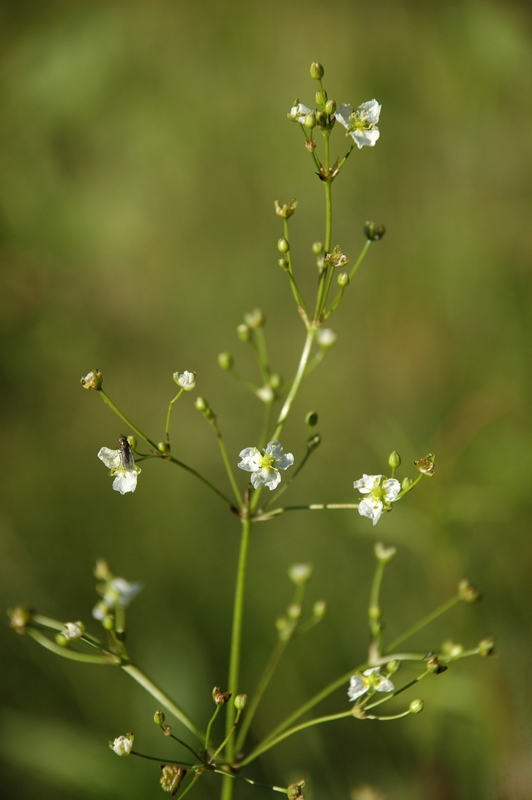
118,592
381,492
361,124
73,630
370,679
265,468
122,745
186,380
298,113
122,466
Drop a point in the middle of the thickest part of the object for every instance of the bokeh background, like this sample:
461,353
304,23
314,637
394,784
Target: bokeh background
141,148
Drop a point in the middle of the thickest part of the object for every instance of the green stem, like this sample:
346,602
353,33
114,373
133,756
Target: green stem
295,289
73,655
269,743
335,303
227,463
374,610
313,507
266,424
169,414
159,695
193,472
236,637
125,419
425,621
209,728
296,382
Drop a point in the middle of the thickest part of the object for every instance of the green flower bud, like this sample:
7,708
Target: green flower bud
310,120
434,665
342,280
163,447
255,318
322,120
416,706
200,404
319,609
283,246
393,666
20,617
330,107
394,460
374,232
452,649
300,573
108,622
316,71
468,592
243,332
283,263
93,380
132,442
171,777
294,611
321,97
276,381
313,442
311,419
487,646
241,701
102,570
406,484
374,612
225,361
317,248
384,554
159,718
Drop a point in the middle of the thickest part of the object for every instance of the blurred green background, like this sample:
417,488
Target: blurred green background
141,148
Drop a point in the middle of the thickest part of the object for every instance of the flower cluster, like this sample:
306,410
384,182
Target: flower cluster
115,592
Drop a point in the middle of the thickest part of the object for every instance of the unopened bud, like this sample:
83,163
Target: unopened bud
313,442
132,442
311,419
319,609
283,245
283,263
102,570
225,361
330,107
393,666
294,611
310,120
416,706
93,380
384,554
374,612
241,701
19,618
406,483
243,332
342,280
452,649
200,404
434,665
321,97
163,447
317,248
255,318
394,460
275,381
468,592
487,646
374,232
300,573
316,71
326,337
159,718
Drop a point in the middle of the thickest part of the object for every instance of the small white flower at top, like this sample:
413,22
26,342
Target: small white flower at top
381,493
186,380
122,466
370,679
122,745
265,466
361,124
117,592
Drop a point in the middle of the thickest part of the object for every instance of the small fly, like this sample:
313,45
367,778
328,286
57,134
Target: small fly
126,456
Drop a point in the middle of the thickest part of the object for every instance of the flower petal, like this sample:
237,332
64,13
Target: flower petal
111,458
125,481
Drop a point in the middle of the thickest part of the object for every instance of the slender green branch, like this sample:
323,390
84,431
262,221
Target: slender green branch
125,419
73,655
251,782
169,414
271,742
313,507
298,297
209,727
163,698
335,303
311,332
200,477
425,621
227,463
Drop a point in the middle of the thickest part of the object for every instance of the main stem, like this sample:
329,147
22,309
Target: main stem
236,647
